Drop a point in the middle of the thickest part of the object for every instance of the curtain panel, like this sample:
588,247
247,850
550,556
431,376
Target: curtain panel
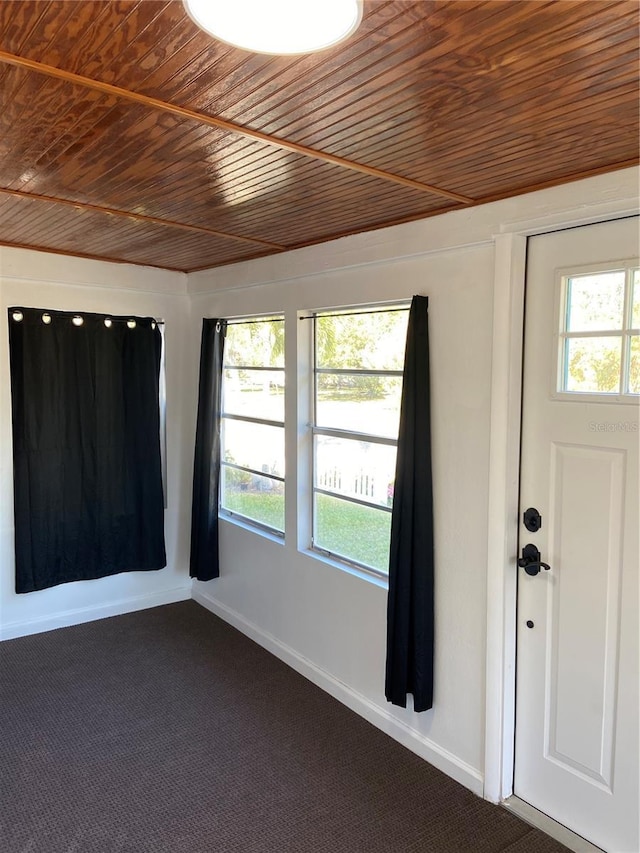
88,499
204,564
410,616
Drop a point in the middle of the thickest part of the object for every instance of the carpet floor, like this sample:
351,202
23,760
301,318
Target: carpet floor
168,731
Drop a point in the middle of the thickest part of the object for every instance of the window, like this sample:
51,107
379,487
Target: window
252,422
358,362
600,333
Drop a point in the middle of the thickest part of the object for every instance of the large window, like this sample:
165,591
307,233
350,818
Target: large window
358,361
252,423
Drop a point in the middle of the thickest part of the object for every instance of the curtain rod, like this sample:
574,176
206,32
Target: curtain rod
355,313
250,322
18,309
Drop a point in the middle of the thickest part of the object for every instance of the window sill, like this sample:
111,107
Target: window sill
251,528
376,580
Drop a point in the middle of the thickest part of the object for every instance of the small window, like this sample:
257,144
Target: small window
599,344
252,422
634,337
358,363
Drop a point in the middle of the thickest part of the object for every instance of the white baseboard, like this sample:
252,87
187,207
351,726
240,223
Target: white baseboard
377,716
66,618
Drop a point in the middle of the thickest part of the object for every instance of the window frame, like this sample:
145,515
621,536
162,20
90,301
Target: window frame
625,333
342,560
223,511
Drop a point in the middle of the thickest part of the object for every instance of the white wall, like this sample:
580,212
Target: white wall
324,621
41,280
335,619
329,623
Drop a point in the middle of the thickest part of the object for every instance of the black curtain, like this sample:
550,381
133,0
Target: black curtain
86,446
410,615
204,563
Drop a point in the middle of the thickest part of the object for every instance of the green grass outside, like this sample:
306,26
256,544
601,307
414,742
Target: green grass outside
356,532
260,506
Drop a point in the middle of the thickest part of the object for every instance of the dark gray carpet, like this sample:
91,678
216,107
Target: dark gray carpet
168,731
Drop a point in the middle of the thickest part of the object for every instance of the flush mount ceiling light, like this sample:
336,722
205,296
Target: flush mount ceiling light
277,26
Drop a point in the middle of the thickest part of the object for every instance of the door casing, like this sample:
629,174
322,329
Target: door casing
504,467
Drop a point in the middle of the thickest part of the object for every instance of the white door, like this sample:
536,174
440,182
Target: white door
577,622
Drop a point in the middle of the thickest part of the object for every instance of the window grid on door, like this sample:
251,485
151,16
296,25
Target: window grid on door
599,338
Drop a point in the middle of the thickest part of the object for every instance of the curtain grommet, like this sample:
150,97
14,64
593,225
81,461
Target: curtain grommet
108,322
153,324
17,316
46,319
77,320
131,324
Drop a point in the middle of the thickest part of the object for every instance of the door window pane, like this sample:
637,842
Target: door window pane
634,365
595,302
601,315
592,365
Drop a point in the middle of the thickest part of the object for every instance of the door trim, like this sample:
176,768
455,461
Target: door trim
504,470
510,247
556,830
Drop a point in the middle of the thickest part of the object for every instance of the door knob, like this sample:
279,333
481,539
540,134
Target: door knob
531,562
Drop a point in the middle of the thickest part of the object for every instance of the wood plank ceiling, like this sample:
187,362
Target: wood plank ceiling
127,134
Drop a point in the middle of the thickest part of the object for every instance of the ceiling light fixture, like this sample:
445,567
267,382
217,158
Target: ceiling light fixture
277,26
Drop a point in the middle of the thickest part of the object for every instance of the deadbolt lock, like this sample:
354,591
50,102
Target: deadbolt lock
532,519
